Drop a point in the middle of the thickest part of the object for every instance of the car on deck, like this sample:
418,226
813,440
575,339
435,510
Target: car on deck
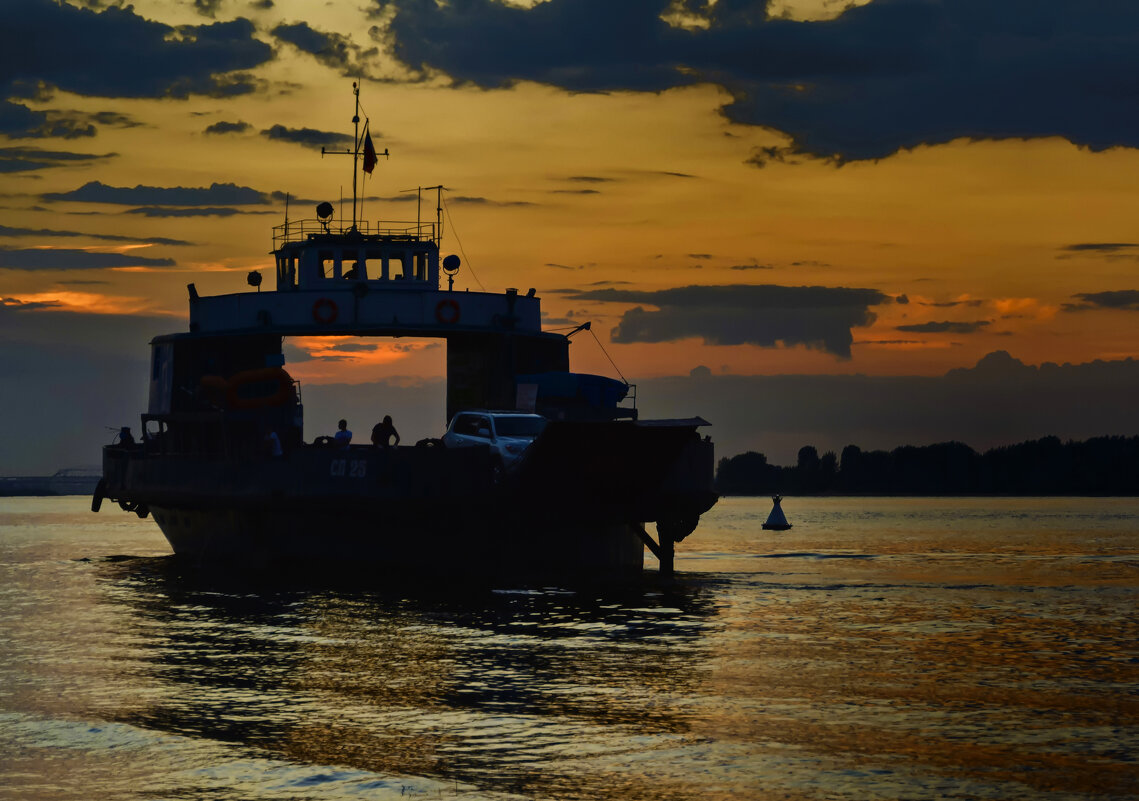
507,434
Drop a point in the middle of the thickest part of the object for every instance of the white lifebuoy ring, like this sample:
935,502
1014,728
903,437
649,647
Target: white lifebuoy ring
447,312
324,311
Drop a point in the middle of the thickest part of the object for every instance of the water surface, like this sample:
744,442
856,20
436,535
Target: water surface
882,648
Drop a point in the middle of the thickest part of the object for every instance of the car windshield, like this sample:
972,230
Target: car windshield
519,426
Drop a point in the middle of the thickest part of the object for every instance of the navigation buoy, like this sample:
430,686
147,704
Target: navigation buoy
776,521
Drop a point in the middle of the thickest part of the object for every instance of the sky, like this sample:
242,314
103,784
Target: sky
809,222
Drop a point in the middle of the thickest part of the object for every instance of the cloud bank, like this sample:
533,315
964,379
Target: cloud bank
114,52
879,78
68,259
1127,299
214,194
767,315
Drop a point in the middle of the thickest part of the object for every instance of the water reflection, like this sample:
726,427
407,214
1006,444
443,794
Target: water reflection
501,687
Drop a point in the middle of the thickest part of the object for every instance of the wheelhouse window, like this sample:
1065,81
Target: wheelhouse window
398,265
375,266
286,271
352,267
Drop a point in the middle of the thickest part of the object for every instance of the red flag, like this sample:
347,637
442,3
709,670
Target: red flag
369,153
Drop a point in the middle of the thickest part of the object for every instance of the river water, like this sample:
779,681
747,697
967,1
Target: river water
883,648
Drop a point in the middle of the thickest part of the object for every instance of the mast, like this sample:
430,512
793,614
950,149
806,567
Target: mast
354,152
356,149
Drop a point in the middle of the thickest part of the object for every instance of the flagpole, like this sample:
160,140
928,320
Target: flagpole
370,157
356,150
365,168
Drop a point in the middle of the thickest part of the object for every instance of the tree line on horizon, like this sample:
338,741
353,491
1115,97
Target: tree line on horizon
1098,466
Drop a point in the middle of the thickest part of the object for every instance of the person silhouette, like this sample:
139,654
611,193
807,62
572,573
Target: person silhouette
343,436
382,433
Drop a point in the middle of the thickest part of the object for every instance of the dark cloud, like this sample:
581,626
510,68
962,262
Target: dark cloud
331,49
114,52
44,124
114,119
767,315
26,159
878,78
778,154
228,127
354,347
1117,299
406,197
214,194
944,327
949,304
48,232
65,259
1100,247
575,191
751,267
17,305
890,342
589,179
64,124
199,211
483,201
308,137
1111,251
207,8
281,198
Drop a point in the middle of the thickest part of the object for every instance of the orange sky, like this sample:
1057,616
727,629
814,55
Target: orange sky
992,240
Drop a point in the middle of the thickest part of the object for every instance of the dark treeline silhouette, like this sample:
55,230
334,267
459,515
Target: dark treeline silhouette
1099,466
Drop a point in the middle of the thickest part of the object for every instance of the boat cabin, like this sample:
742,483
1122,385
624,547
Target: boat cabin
405,258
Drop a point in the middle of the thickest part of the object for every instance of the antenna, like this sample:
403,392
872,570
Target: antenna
438,210
439,216
355,151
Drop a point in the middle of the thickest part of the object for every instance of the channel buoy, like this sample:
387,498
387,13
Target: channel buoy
776,521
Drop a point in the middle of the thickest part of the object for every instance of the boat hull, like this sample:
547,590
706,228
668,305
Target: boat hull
436,509
370,540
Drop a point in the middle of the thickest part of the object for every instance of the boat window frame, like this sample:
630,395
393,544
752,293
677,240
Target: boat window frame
328,259
352,256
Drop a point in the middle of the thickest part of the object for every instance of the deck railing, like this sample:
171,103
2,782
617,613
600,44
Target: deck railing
301,230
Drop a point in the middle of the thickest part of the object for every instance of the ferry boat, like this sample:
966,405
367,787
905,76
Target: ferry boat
223,465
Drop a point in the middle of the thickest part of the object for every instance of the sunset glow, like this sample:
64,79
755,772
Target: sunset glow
749,189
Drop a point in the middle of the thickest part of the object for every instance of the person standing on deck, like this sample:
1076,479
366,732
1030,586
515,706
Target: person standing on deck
383,432
343,436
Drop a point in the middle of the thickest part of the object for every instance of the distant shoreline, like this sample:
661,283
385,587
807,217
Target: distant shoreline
886,494
43,486
1048,467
